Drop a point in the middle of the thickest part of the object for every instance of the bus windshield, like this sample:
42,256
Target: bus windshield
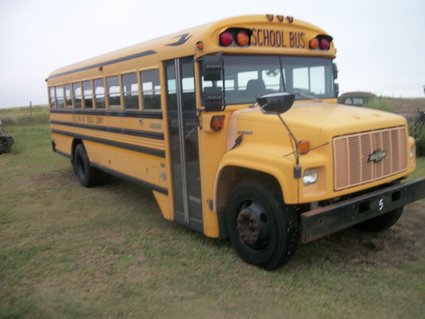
247,77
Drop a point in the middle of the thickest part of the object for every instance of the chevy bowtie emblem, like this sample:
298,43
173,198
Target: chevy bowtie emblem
377,156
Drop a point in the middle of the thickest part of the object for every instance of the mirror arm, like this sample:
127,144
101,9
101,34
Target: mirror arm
293,139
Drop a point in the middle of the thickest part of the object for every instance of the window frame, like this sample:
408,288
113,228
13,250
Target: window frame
158,73
70,96
58,106
74,95
55,104
139,102
95,106
84,96
115,106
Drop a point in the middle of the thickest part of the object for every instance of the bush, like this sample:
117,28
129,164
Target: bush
420,144
380,103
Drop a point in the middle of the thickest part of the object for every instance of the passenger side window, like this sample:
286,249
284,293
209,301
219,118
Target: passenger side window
151,90
68,98
59,97
114,95
99,94
77,95
88,95
52,97
130,91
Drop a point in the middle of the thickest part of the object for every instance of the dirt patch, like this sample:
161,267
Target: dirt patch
403,242
53,178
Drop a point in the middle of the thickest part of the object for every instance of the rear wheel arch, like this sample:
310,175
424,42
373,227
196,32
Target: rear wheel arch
88,175
75,143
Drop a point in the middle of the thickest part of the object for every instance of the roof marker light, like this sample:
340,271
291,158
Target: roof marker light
199,45
280,18
269,17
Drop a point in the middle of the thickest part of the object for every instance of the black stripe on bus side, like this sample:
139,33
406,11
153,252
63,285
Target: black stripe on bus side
131,179
143,115
97,65
63,154
131,147
152,135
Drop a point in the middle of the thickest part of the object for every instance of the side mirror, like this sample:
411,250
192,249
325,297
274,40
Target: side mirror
213,99
336,89
212,68
276,103
335,70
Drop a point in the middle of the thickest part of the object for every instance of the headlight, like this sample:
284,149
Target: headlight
310,176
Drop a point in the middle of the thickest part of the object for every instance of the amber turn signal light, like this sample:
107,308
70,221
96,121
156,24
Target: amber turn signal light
217,122
303,147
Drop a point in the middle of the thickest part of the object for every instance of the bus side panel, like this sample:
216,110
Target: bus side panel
63,143
164,205
140,166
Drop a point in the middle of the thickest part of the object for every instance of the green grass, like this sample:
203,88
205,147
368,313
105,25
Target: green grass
106,252
23,115
380,103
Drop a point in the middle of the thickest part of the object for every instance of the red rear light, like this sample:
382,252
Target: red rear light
226,39
324,44
240,37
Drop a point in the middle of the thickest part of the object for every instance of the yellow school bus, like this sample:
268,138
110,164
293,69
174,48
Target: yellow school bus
235,127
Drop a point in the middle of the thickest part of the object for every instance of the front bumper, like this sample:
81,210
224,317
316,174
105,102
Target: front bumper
326,220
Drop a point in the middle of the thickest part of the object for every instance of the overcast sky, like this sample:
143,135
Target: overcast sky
380,43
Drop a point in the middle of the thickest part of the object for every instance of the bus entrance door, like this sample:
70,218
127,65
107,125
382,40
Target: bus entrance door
183,141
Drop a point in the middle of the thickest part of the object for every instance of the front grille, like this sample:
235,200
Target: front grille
360,158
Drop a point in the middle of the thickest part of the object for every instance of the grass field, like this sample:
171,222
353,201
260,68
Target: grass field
106,252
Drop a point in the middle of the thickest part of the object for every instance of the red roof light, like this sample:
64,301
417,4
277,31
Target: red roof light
226,38
324,44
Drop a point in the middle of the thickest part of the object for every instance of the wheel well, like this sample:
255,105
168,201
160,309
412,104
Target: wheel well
231,175
75,143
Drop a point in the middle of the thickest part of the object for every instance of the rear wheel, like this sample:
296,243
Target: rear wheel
263,231
382,222
87,175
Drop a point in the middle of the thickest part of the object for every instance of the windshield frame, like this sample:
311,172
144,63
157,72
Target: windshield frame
274,73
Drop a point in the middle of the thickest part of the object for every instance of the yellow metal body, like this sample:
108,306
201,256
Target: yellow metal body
266,147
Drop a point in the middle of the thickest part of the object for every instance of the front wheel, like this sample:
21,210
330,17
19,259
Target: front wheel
263,231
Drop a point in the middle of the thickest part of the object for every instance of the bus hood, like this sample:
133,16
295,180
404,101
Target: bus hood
313,121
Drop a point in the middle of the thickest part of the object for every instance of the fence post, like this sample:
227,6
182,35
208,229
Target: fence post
31,112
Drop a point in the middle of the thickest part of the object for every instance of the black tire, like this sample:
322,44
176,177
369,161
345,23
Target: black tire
381,223
87,175
263,231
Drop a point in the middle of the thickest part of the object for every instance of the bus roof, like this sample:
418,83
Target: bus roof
289,36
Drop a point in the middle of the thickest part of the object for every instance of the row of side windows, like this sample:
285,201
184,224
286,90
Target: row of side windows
114,93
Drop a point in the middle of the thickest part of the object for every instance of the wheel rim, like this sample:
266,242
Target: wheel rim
252,225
